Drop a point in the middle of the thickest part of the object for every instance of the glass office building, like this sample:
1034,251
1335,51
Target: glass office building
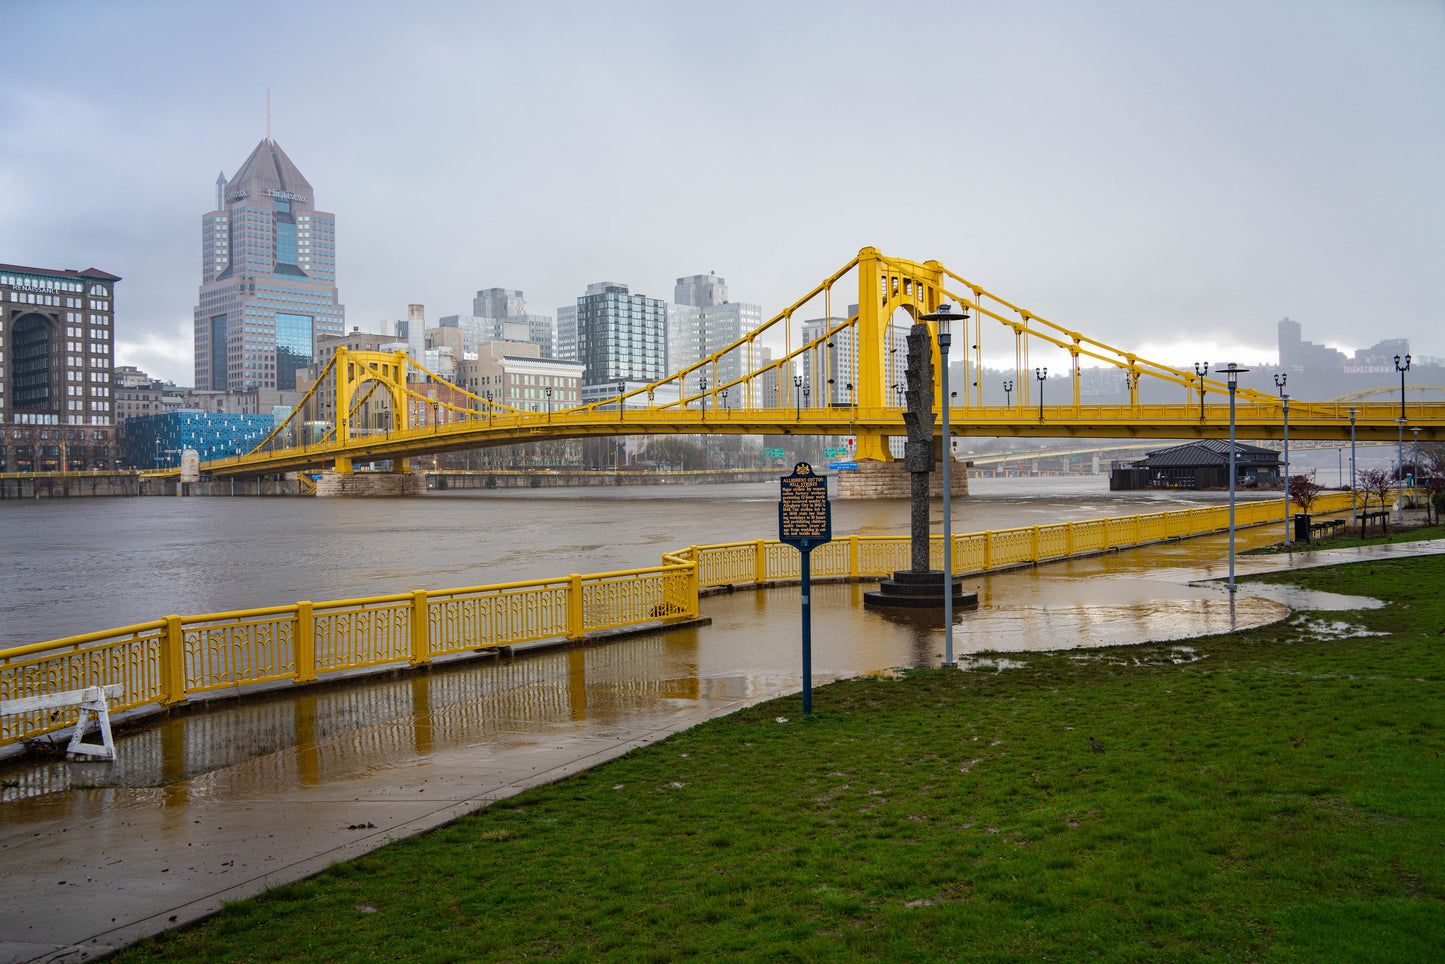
268,278
620,336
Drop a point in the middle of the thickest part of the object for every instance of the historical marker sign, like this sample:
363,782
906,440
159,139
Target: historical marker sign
805,518
805,521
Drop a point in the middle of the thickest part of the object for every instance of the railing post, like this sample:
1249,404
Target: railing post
1138,530
173,677
420,631
760,563
694,591
1068,538
853,557
1034,543
988,548
304,641
575,628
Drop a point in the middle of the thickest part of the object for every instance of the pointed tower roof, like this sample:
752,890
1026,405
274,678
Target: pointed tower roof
269,169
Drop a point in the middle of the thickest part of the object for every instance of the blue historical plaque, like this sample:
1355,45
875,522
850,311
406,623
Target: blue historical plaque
805,521
805,517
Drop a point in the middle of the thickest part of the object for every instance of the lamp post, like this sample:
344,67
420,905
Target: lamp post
702,391
798,397
1041,374
1279,379
1401,471
1354,509
548,392
1008,387
621,387
1415,474
725,399
898,393
1201,369
944,317
1232,373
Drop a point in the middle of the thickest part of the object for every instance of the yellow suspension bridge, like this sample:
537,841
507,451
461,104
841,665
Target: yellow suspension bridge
376,406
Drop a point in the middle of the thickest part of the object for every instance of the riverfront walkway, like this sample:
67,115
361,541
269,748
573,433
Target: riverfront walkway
310,777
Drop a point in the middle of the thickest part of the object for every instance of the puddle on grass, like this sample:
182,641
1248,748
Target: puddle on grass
1296,597
1332,628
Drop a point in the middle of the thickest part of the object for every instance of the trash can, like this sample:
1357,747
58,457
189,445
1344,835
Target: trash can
1301,527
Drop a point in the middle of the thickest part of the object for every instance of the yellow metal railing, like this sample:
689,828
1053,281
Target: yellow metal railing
170,660
857,557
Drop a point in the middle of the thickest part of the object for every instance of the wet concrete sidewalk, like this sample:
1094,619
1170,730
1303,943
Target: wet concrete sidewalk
87,870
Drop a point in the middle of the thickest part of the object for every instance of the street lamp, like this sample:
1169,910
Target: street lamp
1415,474
1201,369
944,317
797,397
1041,374
1279,379
1008,387
702,390
1232,373
621,387
1402,371
548,392
1354,510
898,393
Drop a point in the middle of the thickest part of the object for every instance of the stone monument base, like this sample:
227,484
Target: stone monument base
918,590
890,480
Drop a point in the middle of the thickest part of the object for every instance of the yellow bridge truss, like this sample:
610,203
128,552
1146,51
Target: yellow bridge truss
375,406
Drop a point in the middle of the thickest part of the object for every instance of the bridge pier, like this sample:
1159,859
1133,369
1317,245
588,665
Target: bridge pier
370,484
890,480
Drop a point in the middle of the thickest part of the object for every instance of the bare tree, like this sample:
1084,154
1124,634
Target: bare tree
1303,491
1376,482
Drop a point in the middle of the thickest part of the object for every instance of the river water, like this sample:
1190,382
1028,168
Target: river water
81,565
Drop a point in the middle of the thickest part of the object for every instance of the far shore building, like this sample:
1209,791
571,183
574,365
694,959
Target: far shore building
57,355
1203,464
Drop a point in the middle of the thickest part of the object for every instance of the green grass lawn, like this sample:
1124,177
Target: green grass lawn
1272,795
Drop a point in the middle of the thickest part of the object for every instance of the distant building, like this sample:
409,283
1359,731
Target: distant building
567,332
620,336
507,306
156,441
268,277
836,362
702,321
516,375
57,354
1198,465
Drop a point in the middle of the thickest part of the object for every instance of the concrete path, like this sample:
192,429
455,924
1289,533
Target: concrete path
85,871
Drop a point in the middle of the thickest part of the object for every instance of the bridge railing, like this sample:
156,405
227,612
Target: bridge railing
176,658
170,660
764,560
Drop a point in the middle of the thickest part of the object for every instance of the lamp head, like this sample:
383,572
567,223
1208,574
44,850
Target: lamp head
1232,373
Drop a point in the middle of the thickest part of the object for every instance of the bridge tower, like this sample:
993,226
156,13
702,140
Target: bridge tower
884,286
353,370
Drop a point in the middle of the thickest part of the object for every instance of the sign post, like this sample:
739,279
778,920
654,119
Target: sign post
805,521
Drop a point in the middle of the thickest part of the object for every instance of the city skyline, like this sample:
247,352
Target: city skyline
1157,178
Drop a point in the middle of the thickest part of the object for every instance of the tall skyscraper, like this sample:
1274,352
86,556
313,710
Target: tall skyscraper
268,277
507,305
620,336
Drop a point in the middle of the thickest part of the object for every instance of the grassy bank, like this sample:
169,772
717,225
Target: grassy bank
1273,795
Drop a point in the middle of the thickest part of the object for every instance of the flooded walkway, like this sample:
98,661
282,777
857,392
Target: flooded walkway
224,802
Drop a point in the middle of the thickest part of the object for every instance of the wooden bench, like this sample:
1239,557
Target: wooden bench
1331,526
92,701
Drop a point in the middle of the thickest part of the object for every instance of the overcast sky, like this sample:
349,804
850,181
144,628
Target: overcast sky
1172,178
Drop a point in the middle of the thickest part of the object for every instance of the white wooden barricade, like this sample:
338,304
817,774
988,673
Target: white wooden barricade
93,701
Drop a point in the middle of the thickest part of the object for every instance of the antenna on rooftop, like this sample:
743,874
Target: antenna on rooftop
268,115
